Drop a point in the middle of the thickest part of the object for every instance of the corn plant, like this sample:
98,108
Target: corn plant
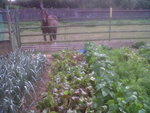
18,71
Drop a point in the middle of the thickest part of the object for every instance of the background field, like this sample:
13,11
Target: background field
81,30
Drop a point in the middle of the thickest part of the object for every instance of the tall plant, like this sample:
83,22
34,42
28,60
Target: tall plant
18,71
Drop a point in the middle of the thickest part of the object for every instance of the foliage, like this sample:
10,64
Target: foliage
71,86
103,80
137,45
123,4
18,71
144,51
121,85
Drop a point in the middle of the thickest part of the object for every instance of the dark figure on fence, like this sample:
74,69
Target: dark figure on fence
49,25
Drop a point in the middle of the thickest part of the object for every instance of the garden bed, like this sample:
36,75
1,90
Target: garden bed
19,73
98,79
101,80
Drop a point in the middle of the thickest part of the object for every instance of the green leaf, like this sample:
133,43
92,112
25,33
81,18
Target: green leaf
66,92
104,92
142,111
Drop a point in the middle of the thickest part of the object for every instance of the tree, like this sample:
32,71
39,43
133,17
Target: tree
123,4
3,3
143,4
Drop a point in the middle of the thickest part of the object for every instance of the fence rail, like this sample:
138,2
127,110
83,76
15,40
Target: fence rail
81,33
83,25
79,40
2,32
78,14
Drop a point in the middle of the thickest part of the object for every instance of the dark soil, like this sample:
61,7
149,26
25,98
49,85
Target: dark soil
5,47
29,103
56,46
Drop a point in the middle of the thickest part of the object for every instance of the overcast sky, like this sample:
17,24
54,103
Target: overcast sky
11,0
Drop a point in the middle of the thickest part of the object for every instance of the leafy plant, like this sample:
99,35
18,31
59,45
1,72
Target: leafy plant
71,85
120,76
103,80
18,71
137,45
144,51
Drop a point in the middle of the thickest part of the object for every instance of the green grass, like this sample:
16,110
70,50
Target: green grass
95,22
138,21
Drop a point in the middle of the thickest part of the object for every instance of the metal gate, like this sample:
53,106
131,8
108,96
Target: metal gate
31,35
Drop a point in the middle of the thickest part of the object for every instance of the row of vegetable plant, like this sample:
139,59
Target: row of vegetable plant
122,79
18,71
71,86
103,80
144,51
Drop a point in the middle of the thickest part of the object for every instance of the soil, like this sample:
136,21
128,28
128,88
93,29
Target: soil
5,47
51,47
29,103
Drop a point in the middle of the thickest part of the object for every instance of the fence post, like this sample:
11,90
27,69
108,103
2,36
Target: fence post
110,17
1,27
12,41
17,28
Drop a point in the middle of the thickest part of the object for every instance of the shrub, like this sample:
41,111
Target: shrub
144,51
137,45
